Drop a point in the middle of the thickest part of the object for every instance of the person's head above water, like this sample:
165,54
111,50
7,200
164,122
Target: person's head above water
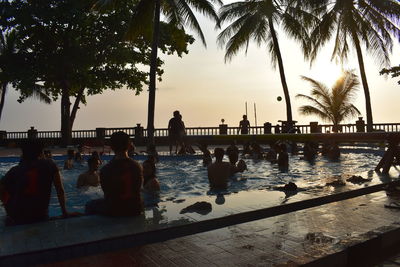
283,147
32,149
120,141
176,114
219,153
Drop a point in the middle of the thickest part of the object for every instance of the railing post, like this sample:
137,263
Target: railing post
32,133
314,128
267,128
360,125
223,128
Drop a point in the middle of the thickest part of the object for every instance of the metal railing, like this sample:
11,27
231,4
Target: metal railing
197,131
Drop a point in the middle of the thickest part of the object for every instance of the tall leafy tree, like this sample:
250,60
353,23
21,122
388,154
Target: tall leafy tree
71,51
354,23
333,105
146,23
258,21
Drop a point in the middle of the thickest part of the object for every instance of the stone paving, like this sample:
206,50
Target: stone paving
292,239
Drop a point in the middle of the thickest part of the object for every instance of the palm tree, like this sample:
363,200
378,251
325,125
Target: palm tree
332,105
8,51
146,20
357,22
258,20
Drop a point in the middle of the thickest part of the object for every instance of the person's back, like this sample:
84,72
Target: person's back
121,180
219,171
26,189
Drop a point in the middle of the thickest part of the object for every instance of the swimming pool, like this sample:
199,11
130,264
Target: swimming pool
183,177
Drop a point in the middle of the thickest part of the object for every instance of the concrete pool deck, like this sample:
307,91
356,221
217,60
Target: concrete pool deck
354,232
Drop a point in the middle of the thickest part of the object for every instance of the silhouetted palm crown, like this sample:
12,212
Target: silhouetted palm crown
257,20
334,105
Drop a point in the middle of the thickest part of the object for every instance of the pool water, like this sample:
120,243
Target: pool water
184,177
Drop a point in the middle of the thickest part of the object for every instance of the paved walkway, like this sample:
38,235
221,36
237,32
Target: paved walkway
287,240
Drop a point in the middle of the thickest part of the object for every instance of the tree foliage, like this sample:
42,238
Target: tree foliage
69,50
333,105
259,21
351,24
394,72
145,23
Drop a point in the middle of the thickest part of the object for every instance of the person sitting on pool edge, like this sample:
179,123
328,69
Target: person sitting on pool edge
25,190
91,176
121,180
150,182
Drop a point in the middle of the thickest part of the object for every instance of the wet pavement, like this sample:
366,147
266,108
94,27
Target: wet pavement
321,236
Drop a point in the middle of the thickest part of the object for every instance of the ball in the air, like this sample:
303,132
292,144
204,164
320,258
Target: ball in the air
279,98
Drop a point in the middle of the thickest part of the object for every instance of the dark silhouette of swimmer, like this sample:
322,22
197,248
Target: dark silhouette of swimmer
283,158
150,182
206,154
176,131
310,151
69,162
272,153
246,148
219,171
256,151
121,180
25,190
90,177
244,125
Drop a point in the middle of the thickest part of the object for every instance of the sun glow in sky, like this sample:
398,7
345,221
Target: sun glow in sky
205,90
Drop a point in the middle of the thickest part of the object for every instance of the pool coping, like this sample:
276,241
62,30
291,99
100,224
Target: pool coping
169,232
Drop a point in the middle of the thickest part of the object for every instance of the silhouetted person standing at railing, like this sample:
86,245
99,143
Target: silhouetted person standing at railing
244,125
25,190
176,131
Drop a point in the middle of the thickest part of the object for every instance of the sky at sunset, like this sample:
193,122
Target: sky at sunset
206,89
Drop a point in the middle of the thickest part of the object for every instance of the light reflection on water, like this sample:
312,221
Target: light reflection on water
186,180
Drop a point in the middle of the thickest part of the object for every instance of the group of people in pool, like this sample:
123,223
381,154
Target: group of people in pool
25,189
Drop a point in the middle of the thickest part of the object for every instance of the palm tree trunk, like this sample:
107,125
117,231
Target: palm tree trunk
281,71
3,97
368,108
153,73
